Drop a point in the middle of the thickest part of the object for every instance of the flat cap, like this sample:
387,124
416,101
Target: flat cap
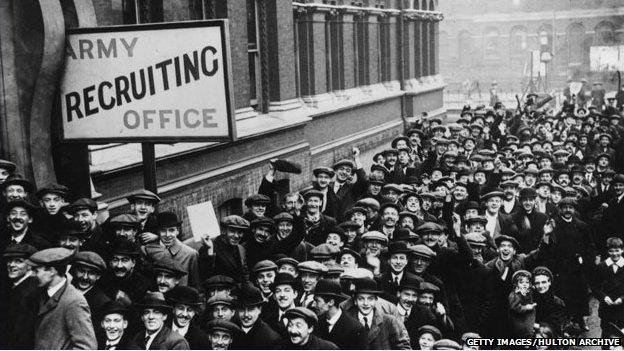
221,299
446,344
494,193
125,220
475,239
314,193
501,238
302,312
476,219
312,267
348,251
234,221
355,209
143,194
83,204
90,259
541,270
8,165
422,250
57,189
428,287
386,205
392,186
374,235
326,170
287,260
218,281
356,273
428,227
21,250
431,330
381,168
257,199
349,225
262,222
167,265
286,166
283,217
344,162
324,251
223,325
264,265
50,257
368,202
568,201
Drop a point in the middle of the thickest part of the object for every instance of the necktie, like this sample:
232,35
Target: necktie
615,268
304,297
396,280
366,326
145,342
527,223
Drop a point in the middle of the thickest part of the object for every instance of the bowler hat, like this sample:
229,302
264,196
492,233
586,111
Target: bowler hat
618,178
115,306
286,166
398,247
167,265
331,288
21,250
355,209
250,296
29,207
167,220
154,300
348,251
528,193
366,286
17,179
183,295
125,247
286,279
410,282
57,189
90,259
143,194
404,234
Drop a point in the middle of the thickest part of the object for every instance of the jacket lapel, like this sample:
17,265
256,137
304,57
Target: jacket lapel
376,327
52,302
160,338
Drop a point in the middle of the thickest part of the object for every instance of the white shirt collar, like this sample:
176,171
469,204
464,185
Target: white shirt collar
180,330
368,318
567,220
20,237
151,338
246,329
54,289
402,311
397,276
619,263
332,321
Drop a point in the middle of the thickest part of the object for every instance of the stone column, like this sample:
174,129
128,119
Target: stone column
348,46
394,72
312,65
424,47
281,56
373,48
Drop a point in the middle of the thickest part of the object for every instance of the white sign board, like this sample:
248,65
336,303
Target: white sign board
156,82
203,220
606,58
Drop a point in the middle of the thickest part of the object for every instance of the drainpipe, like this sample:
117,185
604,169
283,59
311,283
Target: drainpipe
400,64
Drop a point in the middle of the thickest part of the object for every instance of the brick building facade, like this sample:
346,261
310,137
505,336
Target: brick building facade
311,80
491,39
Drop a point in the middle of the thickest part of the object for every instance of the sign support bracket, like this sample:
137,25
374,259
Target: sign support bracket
149,167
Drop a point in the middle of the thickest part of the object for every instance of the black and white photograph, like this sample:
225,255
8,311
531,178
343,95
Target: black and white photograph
312,174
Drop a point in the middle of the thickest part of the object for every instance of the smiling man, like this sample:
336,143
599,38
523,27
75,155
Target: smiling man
20,218
87,268
225,255
285,291
310,272
186,304
123,280
84,212
301,324
256,333
51,219
156,335
143,205
222,334
114,324
264,273
168,273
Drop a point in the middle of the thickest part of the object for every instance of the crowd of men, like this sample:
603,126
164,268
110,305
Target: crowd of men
502,224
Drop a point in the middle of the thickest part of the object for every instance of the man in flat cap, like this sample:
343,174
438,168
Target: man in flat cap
310,272
345,190
64,319
114,325
256,333
263,243
284,227
225,255
143,205
613,209
168,274
428,310
155,334
335,324
124,280
186,303
301,324
169,246
264,273
222,334
256,206
73,237
22,297
317,223
19,219
87,268
220,306
124,226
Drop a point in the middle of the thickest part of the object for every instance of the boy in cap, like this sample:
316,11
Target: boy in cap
608,285
264,273
220,306
64,320
301,324
225,255
51,219
345,190
256,333
310,272
156,335
22,297
143,205
16,188
169,246
383,331
84,212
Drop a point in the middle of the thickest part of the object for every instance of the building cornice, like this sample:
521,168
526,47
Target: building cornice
539,16
409,14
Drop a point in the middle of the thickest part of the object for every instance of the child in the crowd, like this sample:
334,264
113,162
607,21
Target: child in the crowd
608,285
521,305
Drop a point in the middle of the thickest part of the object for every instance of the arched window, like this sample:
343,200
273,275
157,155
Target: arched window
424,5
230,207
431,5
491,46
604,34
576,43
518,41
